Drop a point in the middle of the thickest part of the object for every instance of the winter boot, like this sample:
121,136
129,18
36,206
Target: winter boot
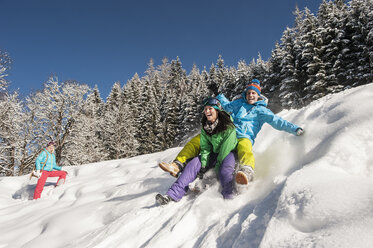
173,168
60,182
162,199
244,175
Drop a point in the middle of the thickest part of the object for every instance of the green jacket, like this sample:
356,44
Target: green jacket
221,143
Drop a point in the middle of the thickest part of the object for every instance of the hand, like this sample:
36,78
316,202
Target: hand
37,173
214,89
299,131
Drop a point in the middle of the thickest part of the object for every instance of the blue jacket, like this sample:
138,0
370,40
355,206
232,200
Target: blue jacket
49,159
249,118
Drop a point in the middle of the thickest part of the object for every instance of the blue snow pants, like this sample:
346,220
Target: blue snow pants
225,175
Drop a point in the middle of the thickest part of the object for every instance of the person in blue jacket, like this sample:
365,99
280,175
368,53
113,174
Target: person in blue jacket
46,167
249,113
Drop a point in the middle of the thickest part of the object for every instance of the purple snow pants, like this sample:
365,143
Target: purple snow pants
180,187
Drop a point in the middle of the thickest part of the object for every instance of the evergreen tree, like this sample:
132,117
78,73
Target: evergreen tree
213,82
85,144
331,18
221,77
191,106
132,98
132,108
357,31
10,128
242,77
272,86
147,118
114,124
289,96
175,92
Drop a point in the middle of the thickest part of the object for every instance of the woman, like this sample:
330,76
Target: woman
46,167
218,140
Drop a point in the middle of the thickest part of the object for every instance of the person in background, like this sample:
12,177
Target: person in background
46,166
249,113
218,140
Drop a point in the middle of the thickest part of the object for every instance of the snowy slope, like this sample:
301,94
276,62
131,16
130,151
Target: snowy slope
311,191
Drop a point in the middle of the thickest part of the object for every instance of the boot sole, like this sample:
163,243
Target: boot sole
167,168
160,200
241,178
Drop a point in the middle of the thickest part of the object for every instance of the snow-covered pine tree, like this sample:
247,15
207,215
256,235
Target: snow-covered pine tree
192,106
127,129
155,96
320,85
359,68
200,91
131,99
113,124
222,76
205,81
309,61
131,106
331,18
176,92
272,85
213,82
10,128
227,88
147,120
85,145
156,118
243,75
289,87
164,76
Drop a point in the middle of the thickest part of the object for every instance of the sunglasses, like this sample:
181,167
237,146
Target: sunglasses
211,101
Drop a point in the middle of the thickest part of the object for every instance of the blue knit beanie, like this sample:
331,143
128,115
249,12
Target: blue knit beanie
255,85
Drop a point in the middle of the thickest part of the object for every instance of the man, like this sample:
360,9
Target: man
46,167
249,114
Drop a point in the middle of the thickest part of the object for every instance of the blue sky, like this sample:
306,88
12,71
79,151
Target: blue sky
101,42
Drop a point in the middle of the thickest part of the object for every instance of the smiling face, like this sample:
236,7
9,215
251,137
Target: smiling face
210,113
251,96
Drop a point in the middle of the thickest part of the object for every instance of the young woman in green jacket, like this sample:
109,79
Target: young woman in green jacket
218,140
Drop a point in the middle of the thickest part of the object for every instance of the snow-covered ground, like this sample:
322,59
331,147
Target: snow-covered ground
311,191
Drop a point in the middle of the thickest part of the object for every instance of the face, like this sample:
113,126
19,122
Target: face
251,96
211,113
50,148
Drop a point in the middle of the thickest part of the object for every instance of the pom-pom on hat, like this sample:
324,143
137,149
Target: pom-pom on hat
255,85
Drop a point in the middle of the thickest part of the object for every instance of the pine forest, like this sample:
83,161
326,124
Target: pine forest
321,54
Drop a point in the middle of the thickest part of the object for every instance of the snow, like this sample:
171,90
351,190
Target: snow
314,190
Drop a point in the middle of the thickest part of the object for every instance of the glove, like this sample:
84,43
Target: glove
37,173
214,89
201,172
299,131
